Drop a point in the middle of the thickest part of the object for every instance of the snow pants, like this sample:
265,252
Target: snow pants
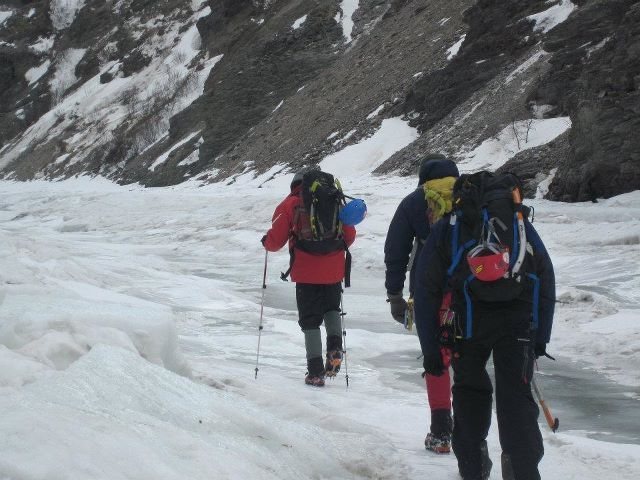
439,397
507,335
318,303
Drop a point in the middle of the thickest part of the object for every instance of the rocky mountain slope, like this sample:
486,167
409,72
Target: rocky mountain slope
161,91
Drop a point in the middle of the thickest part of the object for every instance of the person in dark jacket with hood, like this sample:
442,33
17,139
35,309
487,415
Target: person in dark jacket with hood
407,234
514,331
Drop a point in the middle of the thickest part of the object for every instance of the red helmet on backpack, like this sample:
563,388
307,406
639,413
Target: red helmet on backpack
489,261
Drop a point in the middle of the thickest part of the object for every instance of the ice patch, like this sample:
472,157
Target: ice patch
543,187
455,48
526,65
554,16
4,16
64,12
163,158
521,135
278,106
64,75
298,23
43,45
363,158
347,8
376,112
34,74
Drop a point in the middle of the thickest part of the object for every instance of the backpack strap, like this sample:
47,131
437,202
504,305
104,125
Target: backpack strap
457,250
536,299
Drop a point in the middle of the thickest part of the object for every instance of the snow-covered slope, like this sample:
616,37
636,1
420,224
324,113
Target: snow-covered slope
95,276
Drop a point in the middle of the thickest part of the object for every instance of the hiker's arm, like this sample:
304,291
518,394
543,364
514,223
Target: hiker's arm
431,271
544,270
281,223
349,232
397,249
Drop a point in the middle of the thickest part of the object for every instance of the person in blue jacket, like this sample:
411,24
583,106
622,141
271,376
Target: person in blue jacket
407,234
513,331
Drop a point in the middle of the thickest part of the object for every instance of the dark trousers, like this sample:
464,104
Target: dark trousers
507,335
314,301
318,303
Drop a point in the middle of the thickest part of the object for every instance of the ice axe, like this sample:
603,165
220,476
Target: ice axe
553,423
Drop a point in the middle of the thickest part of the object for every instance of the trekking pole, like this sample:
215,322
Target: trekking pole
344,338
260,327
553,423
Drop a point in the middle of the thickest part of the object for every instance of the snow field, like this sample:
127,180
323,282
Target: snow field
93,269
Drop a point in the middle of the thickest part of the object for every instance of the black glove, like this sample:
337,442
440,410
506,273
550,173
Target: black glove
263,239
398,306
433,364
540,350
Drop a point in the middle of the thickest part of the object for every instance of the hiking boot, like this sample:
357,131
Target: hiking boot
334,360
438,443
314,380
315,372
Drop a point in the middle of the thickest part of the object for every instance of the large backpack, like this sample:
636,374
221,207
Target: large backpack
317,228
316,224
488,223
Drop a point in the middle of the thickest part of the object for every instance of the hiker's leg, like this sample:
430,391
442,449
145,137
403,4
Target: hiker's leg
332,317
309,298
472,399
517,411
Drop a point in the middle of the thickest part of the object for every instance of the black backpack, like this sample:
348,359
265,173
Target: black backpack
488,206
317,228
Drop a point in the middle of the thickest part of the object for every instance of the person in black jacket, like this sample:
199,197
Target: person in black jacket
407,234
514,331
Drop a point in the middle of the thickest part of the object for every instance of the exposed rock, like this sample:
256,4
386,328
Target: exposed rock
594,78
292,86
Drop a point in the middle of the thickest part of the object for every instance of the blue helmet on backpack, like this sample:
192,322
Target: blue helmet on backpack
353,212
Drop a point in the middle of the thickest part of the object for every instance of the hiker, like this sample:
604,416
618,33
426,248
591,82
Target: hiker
490,262
318,240
407,234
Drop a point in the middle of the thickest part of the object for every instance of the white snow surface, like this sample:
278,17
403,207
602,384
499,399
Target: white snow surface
95,109
65,76
43,45
348,8
453,50
520,135
35,73
130,319
298,23
64,12
364,157
376,112
554,16
4,16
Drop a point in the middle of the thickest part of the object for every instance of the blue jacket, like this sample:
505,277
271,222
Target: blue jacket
431,281
409,225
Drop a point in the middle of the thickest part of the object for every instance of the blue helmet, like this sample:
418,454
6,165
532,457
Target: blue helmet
353,212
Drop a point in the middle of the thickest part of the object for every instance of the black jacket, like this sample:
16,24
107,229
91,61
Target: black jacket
432,280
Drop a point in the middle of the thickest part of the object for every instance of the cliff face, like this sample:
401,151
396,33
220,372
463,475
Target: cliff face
161,91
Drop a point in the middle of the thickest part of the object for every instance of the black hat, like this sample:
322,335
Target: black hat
297,178
436,165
